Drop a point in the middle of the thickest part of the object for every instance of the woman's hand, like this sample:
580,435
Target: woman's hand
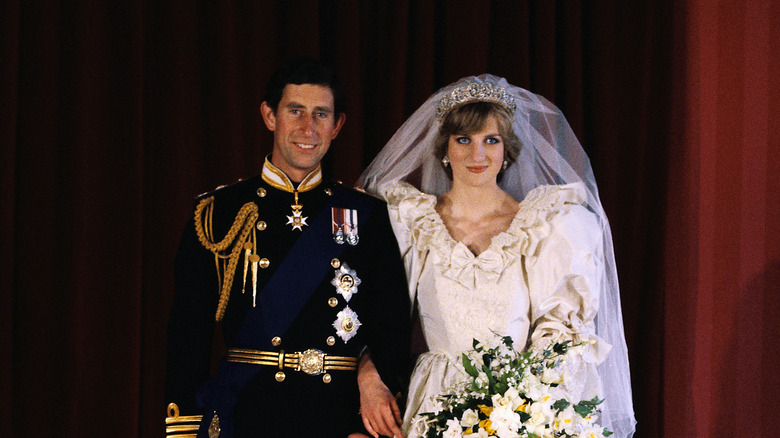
378,406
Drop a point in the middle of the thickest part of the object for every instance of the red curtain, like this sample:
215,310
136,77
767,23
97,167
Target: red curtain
722,251
114,115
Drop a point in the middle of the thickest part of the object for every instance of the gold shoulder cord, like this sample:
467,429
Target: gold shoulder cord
234,241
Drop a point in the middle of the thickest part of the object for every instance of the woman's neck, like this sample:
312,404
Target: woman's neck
474,203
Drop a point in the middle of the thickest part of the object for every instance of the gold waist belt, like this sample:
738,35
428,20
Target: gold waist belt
311,361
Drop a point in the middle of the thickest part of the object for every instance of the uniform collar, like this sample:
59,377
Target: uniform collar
277,179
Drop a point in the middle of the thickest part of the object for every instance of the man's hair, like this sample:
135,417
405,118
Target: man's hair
471,118
300,71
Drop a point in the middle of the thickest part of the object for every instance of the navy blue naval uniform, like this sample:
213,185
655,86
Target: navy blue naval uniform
254,400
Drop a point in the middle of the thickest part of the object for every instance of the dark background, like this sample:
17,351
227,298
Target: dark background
114,115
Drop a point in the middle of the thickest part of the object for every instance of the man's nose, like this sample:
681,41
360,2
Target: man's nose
308,122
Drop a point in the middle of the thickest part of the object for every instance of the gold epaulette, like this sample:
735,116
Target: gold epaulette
181,426
229,248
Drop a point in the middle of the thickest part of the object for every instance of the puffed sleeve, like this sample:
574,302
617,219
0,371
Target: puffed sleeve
406,207
565,276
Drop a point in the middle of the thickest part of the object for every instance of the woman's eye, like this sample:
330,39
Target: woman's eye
492,140
462,140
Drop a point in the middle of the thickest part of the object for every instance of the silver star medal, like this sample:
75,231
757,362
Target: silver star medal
346,324
346,281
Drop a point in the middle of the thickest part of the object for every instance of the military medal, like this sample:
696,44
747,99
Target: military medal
346,324
345,226
346,282
297,220
277,179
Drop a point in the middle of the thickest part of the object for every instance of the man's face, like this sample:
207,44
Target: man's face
303,125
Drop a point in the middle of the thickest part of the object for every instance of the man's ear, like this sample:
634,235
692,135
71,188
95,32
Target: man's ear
269,117
339,123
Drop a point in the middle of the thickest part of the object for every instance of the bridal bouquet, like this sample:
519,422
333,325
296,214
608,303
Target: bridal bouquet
511,394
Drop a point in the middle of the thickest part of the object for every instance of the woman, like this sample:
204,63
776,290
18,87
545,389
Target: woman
498,219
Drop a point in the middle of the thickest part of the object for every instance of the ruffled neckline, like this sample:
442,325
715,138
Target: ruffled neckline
427,231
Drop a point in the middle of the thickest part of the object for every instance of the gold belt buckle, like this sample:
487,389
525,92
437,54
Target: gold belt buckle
311,361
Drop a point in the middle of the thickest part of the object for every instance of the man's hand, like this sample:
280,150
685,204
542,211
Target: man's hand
378,407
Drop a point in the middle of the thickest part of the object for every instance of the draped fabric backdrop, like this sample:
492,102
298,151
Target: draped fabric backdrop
114,115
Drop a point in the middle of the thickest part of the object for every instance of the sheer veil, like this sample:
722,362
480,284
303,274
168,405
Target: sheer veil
550,154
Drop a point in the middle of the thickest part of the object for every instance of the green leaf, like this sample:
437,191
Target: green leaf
606,432
561,405
470,368
524,416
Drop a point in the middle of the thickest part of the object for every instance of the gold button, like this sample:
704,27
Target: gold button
261,192
331,341
333,301
335,263
261,225
326,378
276,341
329,192
248,245
280,376
264,263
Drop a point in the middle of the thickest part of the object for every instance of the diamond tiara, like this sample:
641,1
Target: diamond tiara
475,93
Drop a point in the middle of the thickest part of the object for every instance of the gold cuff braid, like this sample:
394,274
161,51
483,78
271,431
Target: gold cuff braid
234,240
177,426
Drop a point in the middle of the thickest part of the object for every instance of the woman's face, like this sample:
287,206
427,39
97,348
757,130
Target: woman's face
476,158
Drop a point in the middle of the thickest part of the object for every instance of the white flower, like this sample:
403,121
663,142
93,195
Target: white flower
592,431
470,418
481,433
419,426
453,429
567,421
505,421
551,375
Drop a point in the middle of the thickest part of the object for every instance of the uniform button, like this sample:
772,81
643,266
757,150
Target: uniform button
261,225
276,341
280,376
326,378
331,341
335,263
261,192
264,263
333,301
329,192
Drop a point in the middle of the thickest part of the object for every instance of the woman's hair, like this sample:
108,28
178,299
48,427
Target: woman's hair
472,117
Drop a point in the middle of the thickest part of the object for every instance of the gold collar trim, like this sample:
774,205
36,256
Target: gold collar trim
277,179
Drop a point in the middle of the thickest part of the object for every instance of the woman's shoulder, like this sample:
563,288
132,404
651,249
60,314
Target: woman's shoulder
551,209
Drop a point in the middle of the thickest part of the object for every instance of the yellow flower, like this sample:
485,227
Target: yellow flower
485,409
522,408
486,424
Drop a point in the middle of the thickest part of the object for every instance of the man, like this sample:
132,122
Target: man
304,276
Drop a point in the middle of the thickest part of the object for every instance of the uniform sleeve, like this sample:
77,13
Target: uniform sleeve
191,323
389,334
565,277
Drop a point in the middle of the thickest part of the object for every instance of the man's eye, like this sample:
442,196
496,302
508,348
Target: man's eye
322,115
294,111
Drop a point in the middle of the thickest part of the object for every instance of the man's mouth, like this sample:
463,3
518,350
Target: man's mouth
306,146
